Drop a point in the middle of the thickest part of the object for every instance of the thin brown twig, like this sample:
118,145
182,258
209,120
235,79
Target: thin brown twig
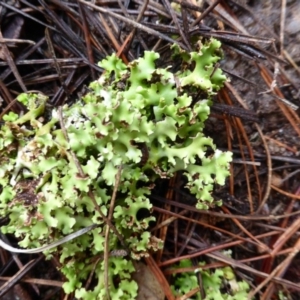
112,38
129,38
221,215
133,23
278,270
211,7
269,165
269,262
87,39
168,6
20,274
268,156
109,217
246,232
12,64
282,22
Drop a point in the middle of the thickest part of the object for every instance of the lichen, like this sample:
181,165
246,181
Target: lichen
142,118
218,284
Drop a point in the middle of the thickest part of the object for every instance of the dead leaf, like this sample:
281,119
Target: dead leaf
149,287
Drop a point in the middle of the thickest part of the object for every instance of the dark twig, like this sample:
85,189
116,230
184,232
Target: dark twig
106,243
56,64
132,23
87,40
20,274
175,20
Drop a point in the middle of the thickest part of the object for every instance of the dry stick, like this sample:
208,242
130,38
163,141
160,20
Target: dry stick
217,229
12,65
123,9
7,108
277,246
128,40
87,40
228,17
255,18
68,61
282,21
287,194
290,175
32,49
24,14
279,269
222,215
175,20
191,293
269,261
19,263
16,41
288,111
156,7
242,134
36,281
233,263
88,282
134,24
191,5
185,24
187,237
244,105
57,67
112,37
294,150
20,274
269,164
230,36
206,12
168,221
164,230
248,233
229,245
229,146
291,61
268,155
63,27
106,243
270,289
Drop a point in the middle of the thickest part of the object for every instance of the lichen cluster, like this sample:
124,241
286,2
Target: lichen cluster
219,284
141,118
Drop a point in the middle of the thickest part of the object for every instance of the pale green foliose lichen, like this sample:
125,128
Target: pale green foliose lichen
219,284
143,118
